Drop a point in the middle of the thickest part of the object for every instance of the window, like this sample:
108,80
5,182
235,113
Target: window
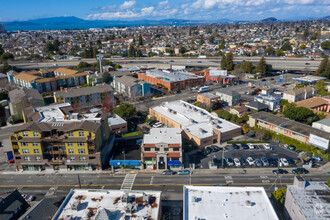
35,144
25,134
71,151
25,151
92,158
147,149
176,149
18,158
36,134
38,158
81,151
70,144
24,144
157,149
27,159
36,151
165,148
82,158
81,134
81,144
70,134
72,158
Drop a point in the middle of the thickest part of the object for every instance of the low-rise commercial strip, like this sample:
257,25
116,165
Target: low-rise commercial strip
214,202
56,138
197,124
162,149
307,200
291,128
110,204
172,80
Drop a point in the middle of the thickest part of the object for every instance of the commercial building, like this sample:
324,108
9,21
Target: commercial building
307,200
172,80
220,76
213,203
197,124
162,149
56,138
229,97
273,103
310,79
126,157
86,97
13,206
290,128
208,99
297,95
110,204
117,124
48,80
323,124
317,104
131,87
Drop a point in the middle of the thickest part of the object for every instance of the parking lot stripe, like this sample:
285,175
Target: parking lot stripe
263,177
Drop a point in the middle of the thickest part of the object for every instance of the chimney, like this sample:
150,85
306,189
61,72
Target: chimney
299,182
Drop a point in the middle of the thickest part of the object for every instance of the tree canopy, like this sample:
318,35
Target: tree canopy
324,68
286,47
325,45
263,67
301,114
125,110
106,78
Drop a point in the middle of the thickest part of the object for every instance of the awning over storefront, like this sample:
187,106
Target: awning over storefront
124,163
32,163
173,163
149,162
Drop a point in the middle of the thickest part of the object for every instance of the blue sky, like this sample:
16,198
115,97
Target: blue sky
154,9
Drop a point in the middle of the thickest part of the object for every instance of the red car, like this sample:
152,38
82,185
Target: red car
11,161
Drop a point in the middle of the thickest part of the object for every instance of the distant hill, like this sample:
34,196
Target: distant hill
58,20
270,19
327,18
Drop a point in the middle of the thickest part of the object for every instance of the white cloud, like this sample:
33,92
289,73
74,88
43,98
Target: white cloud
112,15
275,9
162,4
127,5
147,11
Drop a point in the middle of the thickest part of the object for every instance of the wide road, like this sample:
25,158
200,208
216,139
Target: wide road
301,64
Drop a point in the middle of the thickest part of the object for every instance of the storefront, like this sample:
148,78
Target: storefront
133,164
33,167
173,164
78,166
150,164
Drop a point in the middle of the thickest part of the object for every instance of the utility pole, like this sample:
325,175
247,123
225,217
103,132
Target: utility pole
124,161
99,57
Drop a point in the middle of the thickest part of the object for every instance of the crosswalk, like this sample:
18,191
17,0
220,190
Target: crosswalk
128,181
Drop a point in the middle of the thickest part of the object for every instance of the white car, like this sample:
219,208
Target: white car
284,162
250,161
251,146
267,146
237,162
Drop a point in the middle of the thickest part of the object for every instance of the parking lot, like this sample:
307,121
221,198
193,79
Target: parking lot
202,160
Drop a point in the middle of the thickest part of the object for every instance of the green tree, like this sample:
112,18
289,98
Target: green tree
279,53
246,128
211,39
270,51
263,67
248,67
7,56
286,47
1,50
139,53
125,110
305,34
6,67
131,51
321,89
182,50
229,61
140,40
223,62
201,41
222,44
106,78
303,47
279,197
323,65
82,65
328,181
325,45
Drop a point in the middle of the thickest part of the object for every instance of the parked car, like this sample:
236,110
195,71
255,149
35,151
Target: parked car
183,172
230,162
272,162
264,161
317,158
237,162
280,171
235,146
251,146
300,170
291,162
245,146
224,162
244,162
215,148
168,172
267,146
258,162
284,162
250,161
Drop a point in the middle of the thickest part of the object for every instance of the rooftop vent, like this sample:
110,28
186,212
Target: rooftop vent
248,203
124,198
75,205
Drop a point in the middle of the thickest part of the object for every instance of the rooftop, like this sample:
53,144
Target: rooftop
228,92
115,120
171,76
209,95
110,204
256,105
212,202
75,92
197,121
313,102
309,78
128,80
163,135
325,121
313,200
268,98
299,91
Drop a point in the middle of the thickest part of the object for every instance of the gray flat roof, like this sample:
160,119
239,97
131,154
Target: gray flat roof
209,95
228,92
173,76
290,124
75,92
325,121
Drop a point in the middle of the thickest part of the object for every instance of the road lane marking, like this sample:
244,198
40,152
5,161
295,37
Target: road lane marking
266,181
228,177
263,177
151,180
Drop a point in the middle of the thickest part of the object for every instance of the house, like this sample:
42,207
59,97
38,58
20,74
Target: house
229,97
208,99
55,138
319,105
13,206
307,200
86,97
226,202
23,97
131,87
197,124
110,204
117,124
162,149
273,102
256,106
296,95
240,111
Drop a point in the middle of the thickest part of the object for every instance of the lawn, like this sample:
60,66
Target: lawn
134,133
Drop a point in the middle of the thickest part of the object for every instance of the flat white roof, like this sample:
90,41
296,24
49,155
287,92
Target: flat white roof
109,204
194,120
216,202
163,135
115,120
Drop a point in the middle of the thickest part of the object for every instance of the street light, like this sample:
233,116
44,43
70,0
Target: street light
99,57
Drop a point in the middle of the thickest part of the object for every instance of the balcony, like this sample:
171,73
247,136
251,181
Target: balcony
57,161
54,138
